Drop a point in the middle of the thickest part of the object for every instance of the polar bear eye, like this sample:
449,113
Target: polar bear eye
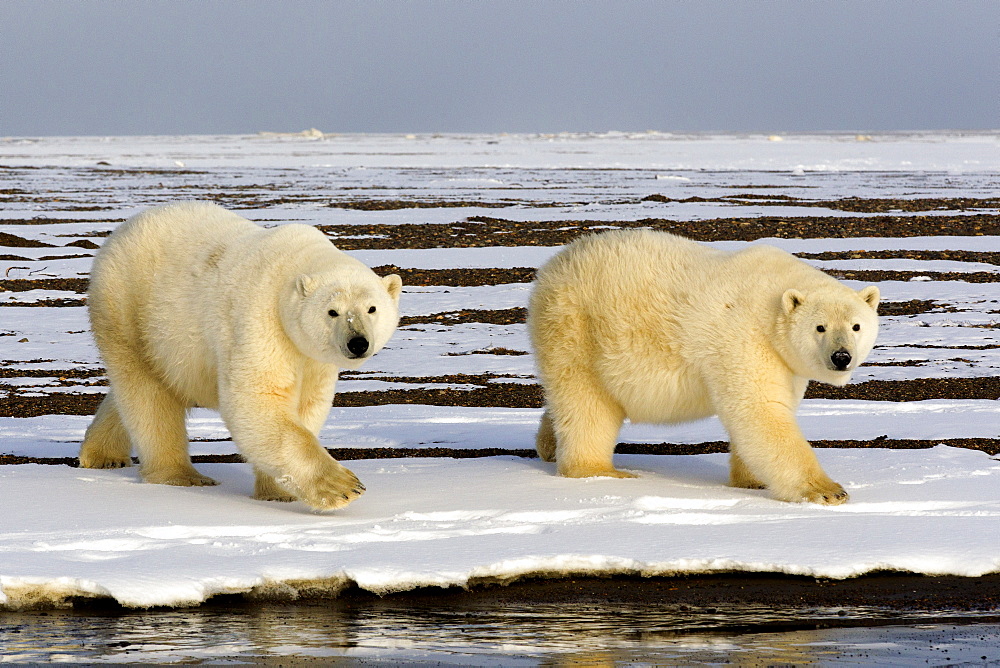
820,328
332,313
857,327
371,310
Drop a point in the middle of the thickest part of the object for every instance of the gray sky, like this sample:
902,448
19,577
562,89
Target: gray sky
73,67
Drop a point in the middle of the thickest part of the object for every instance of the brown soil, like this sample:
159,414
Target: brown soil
510,316
990,446
56,303
482,231
897,591
77,285
396,204
521,395
853,204
14,241
874,276
986,257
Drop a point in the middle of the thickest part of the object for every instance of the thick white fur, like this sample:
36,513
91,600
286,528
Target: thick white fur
657,328
193,305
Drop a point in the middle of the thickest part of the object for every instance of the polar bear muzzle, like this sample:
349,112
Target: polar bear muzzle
358,346
841,359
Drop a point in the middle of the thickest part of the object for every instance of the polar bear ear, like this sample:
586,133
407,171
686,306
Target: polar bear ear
393,285
306,284
792,299
870,295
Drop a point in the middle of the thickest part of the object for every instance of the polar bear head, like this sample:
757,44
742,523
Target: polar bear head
828,332
343,316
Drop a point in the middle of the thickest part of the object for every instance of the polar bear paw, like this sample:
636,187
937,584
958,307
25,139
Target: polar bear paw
180,478
581,471
832,495
332,487
825,492
90,460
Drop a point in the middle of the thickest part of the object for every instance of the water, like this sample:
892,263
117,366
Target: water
383,632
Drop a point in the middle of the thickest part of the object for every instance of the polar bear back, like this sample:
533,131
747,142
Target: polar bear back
645,281
658,267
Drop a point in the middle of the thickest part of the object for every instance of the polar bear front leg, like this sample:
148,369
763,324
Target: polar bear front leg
768,447
313,409
321,482
315,401
286,455
300,465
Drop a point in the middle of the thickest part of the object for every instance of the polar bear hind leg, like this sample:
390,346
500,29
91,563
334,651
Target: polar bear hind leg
266,488
740,475
156,424
153,418
545,439
106,444
586,422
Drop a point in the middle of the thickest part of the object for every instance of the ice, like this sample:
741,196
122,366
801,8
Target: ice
443,522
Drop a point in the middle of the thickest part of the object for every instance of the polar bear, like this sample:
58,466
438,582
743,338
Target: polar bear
193,305
657,328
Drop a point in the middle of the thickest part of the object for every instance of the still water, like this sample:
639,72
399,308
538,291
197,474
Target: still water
379,633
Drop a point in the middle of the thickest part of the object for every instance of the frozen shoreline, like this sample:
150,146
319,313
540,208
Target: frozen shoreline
447,522
501,517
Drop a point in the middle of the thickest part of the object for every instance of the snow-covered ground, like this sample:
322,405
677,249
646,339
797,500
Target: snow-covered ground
427,521
446,522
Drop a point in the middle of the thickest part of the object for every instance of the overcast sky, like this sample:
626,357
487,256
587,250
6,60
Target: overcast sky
85,67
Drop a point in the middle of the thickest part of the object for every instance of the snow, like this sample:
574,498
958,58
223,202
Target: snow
440,522
955,153
417,426
451,522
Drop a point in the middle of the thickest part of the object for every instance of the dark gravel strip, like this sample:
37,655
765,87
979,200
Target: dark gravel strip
43,303
985,257
510,316
916,389
483,231
480,277
77,285
704,595
854,204
14,241
520,395
875,276
990,446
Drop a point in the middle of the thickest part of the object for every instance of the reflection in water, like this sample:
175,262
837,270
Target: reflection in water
549,635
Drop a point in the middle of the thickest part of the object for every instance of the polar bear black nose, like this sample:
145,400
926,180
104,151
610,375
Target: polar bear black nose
841,359
359,346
